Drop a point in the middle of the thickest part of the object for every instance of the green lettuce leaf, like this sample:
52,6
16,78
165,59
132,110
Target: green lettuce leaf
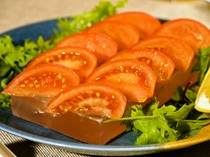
14,58
79,23
203,63
4,101
154,129
163,124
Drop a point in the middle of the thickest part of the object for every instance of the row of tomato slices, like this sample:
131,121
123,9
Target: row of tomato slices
128,57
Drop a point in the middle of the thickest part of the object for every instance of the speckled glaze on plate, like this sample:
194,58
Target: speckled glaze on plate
120,146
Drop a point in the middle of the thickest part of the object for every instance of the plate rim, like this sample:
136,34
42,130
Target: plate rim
111,150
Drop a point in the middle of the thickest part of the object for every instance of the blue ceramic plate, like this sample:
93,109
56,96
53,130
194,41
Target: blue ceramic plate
121,146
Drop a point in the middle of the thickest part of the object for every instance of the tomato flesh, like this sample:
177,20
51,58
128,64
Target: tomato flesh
80,60
162,65
133,78
96,100
100,44
177,50
45,80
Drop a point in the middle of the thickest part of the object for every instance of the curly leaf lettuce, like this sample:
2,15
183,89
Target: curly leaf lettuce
4,101
163,124
152,130
14,58
160,131
78,23
203,63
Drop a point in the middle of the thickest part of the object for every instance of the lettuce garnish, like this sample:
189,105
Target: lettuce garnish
177,119
203,63
14,58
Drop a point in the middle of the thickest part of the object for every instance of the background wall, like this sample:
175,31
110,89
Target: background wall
15,13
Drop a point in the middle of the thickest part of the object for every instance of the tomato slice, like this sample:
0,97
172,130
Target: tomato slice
82,61
179,52
124,34
44,80
193,32
102,45
143,21
162,65
133,78
95,100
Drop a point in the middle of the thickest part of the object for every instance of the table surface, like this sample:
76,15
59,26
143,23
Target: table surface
15,13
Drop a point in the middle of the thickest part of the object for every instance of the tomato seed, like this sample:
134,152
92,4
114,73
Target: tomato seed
59,56
31,85
121,68
80,97
59,76
26,81
63,80
63,86
98,94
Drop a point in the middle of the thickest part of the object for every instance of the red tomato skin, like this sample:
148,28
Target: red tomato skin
144,22
137,85
80,60
177,50
89,94
124,34
161,64
191,31
39,81
100,44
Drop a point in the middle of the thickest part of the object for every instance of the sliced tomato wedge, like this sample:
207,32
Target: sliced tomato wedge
80,60
179,52
102,45
146,23
45,80
191,31
133,78
162,65
124,34
96,100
